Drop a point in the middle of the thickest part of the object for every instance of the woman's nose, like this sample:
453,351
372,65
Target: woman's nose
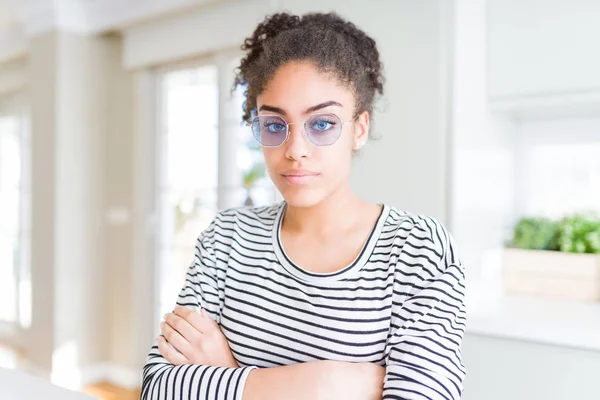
297,145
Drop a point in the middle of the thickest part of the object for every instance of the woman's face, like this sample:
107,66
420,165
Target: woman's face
305,173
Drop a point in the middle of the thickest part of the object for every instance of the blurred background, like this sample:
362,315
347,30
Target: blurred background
120,138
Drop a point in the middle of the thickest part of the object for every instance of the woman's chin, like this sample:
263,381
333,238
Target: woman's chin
302,198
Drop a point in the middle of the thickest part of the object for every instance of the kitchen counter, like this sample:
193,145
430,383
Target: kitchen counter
490,312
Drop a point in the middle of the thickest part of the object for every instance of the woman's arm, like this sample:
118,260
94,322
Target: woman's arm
316,380
197,339
170,373
428,321
162,379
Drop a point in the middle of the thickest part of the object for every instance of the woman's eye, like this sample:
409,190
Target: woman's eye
275,127
322,125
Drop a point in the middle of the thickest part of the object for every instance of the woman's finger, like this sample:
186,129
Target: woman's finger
175,338
170,354
184,327
203,324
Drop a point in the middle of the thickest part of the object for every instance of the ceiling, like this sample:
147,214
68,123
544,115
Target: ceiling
20,19
92,16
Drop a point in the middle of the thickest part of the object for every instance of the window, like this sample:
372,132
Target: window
206,161
15,303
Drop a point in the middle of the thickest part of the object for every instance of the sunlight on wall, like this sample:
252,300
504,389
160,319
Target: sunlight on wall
65,371
8,358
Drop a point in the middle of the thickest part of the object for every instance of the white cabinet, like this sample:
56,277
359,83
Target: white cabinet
543,52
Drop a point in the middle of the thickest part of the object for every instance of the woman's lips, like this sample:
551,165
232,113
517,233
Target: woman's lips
299,178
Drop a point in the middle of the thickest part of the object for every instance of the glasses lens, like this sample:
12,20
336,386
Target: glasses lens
270,131
323,129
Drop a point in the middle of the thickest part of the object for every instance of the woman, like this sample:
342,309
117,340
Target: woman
324,296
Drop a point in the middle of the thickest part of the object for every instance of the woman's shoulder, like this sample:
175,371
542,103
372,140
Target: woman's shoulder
419,229
265,214
249,219
402,218
247,223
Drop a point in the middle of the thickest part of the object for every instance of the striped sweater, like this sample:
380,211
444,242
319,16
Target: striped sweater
400,304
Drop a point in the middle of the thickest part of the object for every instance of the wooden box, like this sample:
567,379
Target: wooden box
552,274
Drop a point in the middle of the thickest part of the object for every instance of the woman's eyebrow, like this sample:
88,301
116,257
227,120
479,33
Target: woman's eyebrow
272,109
322,105
309,110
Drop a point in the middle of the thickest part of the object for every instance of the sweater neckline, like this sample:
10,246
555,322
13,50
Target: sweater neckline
341,274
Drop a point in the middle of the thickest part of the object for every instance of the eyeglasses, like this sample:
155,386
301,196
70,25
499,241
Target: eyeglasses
320,129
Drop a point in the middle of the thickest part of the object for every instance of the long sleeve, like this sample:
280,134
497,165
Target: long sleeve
161,379
428,319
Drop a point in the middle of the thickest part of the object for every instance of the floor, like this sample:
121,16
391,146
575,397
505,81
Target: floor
107,391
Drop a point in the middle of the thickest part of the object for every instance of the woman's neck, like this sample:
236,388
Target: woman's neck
339,211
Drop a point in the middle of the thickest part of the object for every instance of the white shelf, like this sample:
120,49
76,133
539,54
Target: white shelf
490,312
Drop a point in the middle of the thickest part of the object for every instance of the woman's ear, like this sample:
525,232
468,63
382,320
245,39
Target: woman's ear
361,130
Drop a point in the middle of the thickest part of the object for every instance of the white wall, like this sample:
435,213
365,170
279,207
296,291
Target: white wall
483,148
213,28
408,166
81,100
569,180
41,97
13,42
13,75
118,184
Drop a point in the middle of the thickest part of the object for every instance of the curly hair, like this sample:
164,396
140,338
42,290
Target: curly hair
332,44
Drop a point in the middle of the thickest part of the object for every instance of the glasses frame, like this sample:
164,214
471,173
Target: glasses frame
287,128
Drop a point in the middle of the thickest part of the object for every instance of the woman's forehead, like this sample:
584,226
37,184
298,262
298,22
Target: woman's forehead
296,88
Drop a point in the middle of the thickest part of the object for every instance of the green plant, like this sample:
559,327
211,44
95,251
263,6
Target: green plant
580,234
536,234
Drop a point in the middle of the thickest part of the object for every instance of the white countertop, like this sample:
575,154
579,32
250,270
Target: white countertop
490,312
16,385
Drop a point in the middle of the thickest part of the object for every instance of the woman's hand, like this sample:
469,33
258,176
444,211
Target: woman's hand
192,338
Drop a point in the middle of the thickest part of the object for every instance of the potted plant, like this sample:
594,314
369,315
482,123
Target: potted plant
555,258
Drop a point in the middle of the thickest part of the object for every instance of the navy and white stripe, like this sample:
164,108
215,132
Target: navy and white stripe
400,304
